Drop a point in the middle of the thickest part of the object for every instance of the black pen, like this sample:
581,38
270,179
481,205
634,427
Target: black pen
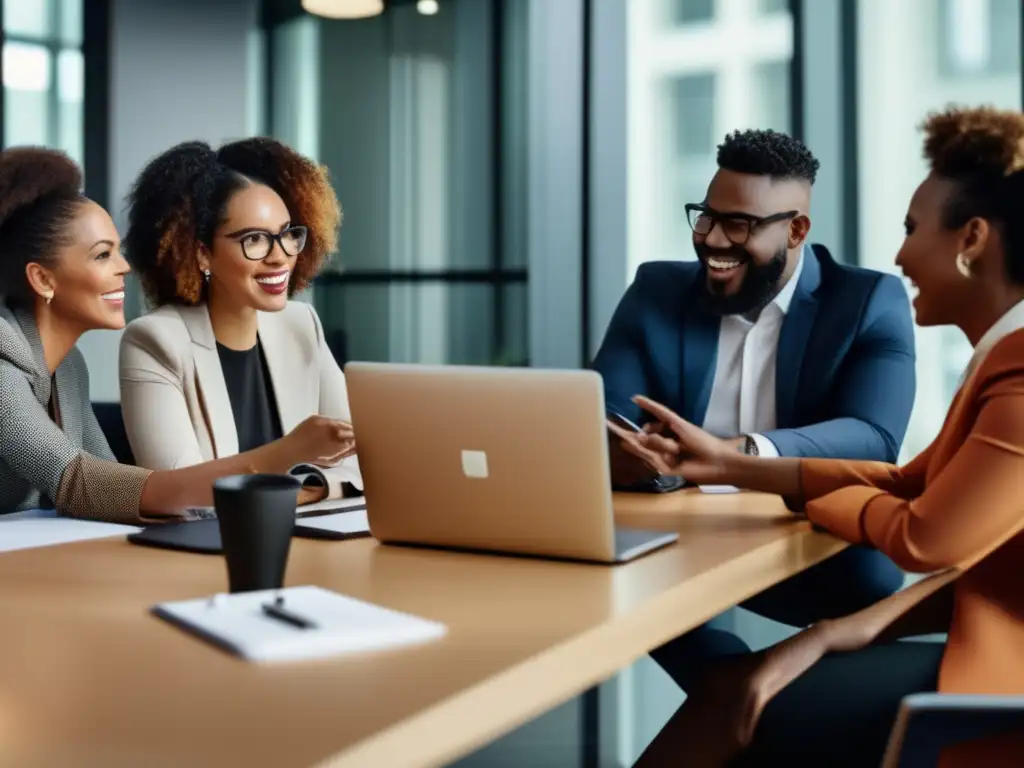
276,610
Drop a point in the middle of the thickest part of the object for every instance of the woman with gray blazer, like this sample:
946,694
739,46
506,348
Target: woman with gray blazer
62,274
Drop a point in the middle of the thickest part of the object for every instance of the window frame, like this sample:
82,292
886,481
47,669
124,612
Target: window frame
94,47
499,273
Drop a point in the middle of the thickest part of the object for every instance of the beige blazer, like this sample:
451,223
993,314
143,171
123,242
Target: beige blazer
173,395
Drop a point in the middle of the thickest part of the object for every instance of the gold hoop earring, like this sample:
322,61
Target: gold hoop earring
963,265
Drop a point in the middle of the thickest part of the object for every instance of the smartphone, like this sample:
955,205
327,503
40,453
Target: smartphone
653,484
622,421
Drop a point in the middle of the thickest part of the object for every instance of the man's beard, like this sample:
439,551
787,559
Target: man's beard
760,283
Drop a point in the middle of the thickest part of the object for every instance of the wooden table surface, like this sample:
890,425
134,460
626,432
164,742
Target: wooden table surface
89,678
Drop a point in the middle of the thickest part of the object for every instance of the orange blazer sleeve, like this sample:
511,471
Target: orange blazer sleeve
820,477
969,508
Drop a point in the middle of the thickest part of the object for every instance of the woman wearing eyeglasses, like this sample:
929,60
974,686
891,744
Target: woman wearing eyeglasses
221,239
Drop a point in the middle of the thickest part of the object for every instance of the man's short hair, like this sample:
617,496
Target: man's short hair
767,153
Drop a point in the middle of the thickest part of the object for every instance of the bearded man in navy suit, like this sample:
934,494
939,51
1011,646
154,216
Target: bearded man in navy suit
770,344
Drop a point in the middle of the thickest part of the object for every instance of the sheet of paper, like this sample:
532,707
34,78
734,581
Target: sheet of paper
718,489
343,522
43,528
31,514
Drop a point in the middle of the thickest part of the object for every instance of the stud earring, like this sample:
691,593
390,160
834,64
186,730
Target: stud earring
963,265
206,274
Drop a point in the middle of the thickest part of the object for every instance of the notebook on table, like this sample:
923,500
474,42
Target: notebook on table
335,624
342,480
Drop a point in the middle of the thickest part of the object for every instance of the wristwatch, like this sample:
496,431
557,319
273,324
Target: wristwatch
750,447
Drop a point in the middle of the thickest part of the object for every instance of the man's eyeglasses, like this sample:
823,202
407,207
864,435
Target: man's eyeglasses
258,243
735,226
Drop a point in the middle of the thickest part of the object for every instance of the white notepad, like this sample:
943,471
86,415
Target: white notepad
45,528
719,489
342,522
344,625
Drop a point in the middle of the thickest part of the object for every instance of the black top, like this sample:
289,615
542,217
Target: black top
252,396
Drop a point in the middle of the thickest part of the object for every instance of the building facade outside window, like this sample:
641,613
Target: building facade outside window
43,75
697,70
914,57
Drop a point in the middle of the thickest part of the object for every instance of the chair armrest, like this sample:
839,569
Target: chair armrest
927,722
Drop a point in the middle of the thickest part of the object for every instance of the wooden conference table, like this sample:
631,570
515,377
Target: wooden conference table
89,678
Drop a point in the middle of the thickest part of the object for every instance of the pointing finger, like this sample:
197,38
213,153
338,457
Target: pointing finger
663,444
659,411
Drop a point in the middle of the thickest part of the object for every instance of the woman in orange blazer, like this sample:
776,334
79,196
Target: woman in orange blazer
829,695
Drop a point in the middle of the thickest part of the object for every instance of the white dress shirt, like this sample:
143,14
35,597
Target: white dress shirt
743,392
1010,322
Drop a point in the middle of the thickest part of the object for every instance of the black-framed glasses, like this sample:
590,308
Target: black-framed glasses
735,226
258,243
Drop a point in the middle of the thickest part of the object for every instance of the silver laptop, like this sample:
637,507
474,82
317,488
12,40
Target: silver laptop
508,460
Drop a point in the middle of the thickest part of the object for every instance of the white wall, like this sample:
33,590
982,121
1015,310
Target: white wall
178,71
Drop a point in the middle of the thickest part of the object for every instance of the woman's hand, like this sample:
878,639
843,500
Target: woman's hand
679,447
311,495
719,718
319,440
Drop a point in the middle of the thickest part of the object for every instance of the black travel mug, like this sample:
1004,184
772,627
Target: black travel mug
256,514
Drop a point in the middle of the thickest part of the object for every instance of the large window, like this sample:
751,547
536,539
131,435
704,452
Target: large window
402,108
43,74
697,70
700,69
914,57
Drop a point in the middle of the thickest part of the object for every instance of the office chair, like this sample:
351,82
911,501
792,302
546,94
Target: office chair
112,423
337,343
927,722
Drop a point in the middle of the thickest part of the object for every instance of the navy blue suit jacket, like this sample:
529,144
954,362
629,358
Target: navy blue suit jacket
845,378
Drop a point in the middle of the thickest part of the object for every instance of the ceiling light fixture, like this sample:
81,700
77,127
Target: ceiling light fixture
344,9
427,7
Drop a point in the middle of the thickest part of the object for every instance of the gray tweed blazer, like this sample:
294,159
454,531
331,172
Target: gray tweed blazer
34,451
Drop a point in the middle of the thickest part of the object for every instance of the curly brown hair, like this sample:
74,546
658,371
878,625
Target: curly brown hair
180,197
981,150
40,191
965,142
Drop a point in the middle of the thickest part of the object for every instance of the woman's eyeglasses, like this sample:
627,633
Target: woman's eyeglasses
258,243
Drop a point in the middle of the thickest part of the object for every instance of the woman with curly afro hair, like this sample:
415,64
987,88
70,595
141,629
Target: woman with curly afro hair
221,239
62,274
829,695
